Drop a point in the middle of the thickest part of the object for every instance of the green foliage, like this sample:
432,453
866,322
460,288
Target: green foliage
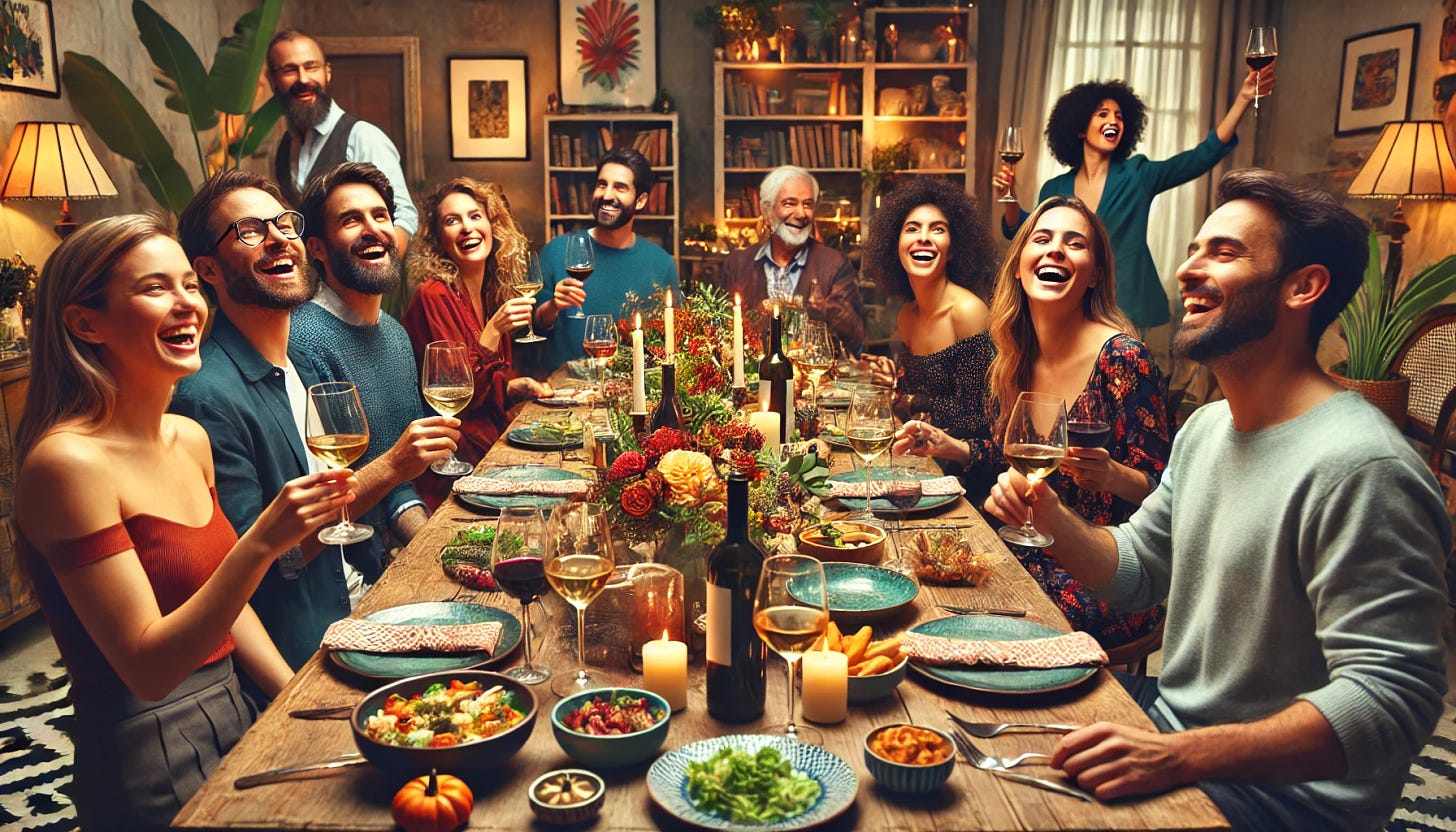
1378,321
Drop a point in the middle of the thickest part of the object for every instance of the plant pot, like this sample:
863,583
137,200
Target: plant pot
1390,396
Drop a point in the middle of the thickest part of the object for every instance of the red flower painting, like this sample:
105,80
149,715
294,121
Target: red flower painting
610,45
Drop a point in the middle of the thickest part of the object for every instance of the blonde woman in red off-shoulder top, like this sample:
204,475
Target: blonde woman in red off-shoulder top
142,580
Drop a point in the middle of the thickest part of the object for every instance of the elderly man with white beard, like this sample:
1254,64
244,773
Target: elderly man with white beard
791,264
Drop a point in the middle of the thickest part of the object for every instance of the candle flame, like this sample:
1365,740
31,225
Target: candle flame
737,299
637,320
664,635
776,310
667,298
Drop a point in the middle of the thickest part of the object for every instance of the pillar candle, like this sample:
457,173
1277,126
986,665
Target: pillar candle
766,422
826,686
665,671
737,340
670,343
639,380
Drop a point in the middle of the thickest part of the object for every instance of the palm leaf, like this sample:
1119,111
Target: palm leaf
1377,322
182,71
233,80
256,129
123,124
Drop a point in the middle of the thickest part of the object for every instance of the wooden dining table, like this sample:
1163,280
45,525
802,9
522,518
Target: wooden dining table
358,798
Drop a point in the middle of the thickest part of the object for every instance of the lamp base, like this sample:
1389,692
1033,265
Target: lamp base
64,226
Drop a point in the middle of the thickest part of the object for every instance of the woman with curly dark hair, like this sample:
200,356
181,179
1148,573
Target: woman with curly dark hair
929,246
1093,129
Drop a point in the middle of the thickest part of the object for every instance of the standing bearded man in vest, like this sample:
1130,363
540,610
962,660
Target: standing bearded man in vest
320,134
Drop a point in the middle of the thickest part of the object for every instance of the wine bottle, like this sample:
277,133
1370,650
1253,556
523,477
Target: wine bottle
668,413
736,654
776,380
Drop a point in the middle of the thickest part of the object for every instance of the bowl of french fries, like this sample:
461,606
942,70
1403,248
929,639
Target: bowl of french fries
847,541
876,668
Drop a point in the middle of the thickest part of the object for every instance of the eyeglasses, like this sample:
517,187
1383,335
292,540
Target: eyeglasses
251,230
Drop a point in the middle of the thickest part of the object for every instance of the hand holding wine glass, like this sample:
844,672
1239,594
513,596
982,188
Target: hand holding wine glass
579,561
1035,444
528,282
790,611
448,386
580,262
337,432
869,429
1263,48
517,565
1011,151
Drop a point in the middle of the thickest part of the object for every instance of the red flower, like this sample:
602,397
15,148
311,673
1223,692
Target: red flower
610,45
663,440
656,481
637,499
629,464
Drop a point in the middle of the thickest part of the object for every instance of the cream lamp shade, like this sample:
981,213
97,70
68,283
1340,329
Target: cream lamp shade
1412,159
52,160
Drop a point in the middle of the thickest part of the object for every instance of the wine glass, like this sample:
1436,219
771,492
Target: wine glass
816,355
790,611
1087,423
337,432
448,386
579,561
1011,152
1035,444
899,485
580,262
516,563
870,429
600,342
1263,48
527,282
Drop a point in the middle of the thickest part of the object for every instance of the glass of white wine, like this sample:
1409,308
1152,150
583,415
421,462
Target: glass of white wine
579,560
1035,445
870,429
448,385
527,283
816,356
337,432
791,611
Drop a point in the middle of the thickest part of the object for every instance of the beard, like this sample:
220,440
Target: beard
303,116
791,236
247,289
368,277
1251,315
625,213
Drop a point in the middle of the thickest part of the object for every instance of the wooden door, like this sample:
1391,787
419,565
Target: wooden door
372,88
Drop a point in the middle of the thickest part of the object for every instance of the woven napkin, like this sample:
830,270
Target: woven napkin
936,487
373,637
1070,650
498,487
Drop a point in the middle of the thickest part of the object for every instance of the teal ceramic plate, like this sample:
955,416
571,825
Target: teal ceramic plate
495,502
400,665
836,440
667,781
881,506
862,591
523,437
997,679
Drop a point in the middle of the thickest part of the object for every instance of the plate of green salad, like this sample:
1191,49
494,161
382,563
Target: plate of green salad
548,434
747,781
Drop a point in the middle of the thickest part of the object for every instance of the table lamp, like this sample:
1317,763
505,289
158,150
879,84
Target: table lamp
1411,160
52,160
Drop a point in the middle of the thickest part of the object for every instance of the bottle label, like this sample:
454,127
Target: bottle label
720,625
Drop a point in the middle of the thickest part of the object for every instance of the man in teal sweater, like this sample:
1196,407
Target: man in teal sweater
1297,537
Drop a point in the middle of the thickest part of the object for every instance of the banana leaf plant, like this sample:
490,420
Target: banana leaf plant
1378,320
217,99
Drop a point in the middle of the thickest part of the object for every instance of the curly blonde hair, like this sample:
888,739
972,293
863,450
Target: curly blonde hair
1011,326
508,245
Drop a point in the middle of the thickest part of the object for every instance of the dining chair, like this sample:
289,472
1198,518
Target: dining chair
1133,656
1428,359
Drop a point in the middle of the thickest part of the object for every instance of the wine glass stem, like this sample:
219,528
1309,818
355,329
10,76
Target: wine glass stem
1029,528
869,489
526,635
792,729
581,642
344,523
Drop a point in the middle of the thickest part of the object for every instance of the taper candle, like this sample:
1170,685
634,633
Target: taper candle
639,380
737,340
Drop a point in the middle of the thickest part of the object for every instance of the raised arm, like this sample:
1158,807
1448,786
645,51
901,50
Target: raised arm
1260,82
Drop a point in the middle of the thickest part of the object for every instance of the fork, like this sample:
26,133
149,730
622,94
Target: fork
987,730
981,760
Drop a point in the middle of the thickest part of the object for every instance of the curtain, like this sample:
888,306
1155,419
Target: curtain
1030,33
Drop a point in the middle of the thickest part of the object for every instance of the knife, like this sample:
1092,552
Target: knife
1040,783
278,775
982,611
339,712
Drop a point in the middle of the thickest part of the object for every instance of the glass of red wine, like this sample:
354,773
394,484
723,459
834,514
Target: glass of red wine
1011,151
516,563
580,262
899,485
1263,48
1087,423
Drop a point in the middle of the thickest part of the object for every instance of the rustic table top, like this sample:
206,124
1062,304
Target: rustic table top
358,798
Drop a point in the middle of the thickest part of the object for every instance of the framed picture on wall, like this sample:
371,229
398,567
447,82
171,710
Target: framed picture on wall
28,48
488,112
608,52
1377,75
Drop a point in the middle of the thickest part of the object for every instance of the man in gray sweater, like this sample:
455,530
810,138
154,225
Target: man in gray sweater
1298,538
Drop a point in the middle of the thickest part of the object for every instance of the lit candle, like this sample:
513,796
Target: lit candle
826,686
670,341
737,340
665,670
766,422
639,381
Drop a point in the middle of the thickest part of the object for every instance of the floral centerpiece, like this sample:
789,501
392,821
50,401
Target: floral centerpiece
17,285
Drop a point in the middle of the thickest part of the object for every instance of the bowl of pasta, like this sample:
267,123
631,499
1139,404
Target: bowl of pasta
465,722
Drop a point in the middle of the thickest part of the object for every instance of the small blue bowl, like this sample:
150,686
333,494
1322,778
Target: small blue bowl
864,689
610,750
908,779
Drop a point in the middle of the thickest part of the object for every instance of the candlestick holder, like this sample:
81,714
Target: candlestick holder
639,425
657,606
739,396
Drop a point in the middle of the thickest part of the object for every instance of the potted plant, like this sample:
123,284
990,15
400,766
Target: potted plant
1376,324
17,287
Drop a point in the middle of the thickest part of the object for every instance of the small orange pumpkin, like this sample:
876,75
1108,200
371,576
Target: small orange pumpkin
436,803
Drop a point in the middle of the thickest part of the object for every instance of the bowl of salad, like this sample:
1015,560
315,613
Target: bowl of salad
610,727
464,722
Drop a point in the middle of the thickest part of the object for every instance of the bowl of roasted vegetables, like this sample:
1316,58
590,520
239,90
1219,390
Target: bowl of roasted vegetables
909,759
610,727
843,540
464,722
